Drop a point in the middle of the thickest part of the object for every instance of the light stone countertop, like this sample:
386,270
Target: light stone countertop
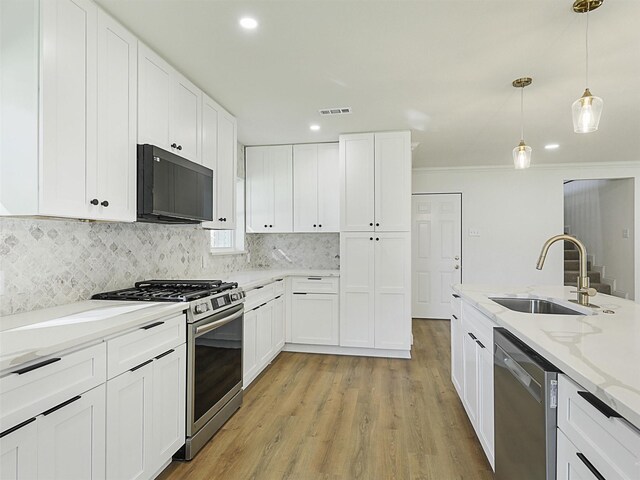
599,351
249,279
27,337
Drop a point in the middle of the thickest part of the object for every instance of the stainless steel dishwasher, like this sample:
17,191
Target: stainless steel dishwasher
525,407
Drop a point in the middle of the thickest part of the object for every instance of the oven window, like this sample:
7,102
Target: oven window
218,365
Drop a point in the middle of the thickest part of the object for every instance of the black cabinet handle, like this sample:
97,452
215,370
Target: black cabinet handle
141,365
314,278
94,201
174,145
299,293
259,287
377,239
221,219
455,295
319,225
599,405
179,147
279,279
104,203
480,344
278,297
590,466
371,224
270,226
472,335
454,316
152,325
63,404
314,225
370,238
20,425
224,219
37,365
377,224
265,226
165,354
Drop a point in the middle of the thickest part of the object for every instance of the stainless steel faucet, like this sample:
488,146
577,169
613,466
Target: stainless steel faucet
584,292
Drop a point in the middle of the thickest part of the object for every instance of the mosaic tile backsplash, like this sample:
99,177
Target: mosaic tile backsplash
52,262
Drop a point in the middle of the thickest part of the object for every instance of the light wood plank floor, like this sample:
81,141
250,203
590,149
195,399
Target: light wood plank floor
311,417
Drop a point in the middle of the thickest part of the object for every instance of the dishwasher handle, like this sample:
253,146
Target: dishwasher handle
503,359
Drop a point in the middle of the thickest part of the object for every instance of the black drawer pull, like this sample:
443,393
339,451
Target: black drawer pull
20,425
314,278
455,295
259,287
279,279
454,316
141,365
599,405
591,468
147,327
37,365
472,336
299,293
63,404
480,344
278,297
165,354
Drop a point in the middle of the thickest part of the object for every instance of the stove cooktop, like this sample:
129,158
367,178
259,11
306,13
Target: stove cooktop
168,290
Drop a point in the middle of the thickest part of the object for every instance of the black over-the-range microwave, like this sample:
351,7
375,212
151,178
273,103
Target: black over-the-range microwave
172,189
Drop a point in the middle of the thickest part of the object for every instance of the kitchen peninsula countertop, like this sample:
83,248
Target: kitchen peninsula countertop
600,351
29,336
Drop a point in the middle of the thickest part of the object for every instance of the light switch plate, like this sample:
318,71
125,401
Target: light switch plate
474,232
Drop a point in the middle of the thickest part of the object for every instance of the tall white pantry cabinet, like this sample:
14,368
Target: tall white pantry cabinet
375,240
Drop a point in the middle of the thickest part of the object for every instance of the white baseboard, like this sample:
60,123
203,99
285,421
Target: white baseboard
354,351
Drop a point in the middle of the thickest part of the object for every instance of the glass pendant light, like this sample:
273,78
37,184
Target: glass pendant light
587,109
522,153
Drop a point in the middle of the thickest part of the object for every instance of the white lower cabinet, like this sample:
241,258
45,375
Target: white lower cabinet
315,318
264,333
18,451
249,353
71,438
571,464
146,413
472,369
278,323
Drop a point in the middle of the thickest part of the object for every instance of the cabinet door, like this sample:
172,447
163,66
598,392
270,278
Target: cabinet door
184,120
281,167
169,402
357,183
470,387
314,319
210,118
154,91
71,438
249,358
357,289
278,323
393,181
305,188
225,174
328,186
569,464
485,399
456,354
68,102
129,424
18,451
264,335
393,290
259,190
112,180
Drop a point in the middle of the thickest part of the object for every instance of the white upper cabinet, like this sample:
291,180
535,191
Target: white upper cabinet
315,184
169,109
113,182
68,101
220,154
375,182
73,68
269,189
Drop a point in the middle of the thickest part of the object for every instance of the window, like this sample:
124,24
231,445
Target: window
231,241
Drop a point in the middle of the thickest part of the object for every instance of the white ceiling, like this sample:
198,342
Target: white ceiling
442,68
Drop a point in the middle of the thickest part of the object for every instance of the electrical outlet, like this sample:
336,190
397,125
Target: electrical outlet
474,232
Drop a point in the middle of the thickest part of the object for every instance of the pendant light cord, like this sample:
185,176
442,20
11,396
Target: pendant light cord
522,113
586,43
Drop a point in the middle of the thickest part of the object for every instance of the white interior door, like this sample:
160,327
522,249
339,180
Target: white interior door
437,253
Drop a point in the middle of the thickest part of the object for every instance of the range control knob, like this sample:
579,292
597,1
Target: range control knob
201,308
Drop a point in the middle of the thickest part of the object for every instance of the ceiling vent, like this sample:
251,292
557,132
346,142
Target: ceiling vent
335,111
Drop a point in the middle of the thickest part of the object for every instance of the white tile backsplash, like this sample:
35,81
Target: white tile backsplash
46,262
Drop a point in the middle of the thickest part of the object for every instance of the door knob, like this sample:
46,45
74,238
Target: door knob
457,267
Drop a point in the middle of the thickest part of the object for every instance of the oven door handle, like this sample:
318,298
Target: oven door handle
212,326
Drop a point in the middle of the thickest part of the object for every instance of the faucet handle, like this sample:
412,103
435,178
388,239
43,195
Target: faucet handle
591,292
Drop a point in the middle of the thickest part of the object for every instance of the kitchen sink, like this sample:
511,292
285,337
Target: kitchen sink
535,305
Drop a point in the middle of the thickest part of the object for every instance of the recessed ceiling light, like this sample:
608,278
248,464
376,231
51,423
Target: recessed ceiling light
315,128
551,146
248,23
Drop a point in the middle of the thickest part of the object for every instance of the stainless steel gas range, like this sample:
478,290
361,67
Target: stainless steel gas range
214,350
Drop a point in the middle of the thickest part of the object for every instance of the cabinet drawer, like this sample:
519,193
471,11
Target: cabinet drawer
258,295
456,305
278,287
134,348
611,444
29,391
314,284
480,324
571,462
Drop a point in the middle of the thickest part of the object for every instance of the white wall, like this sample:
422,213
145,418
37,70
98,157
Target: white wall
515,211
